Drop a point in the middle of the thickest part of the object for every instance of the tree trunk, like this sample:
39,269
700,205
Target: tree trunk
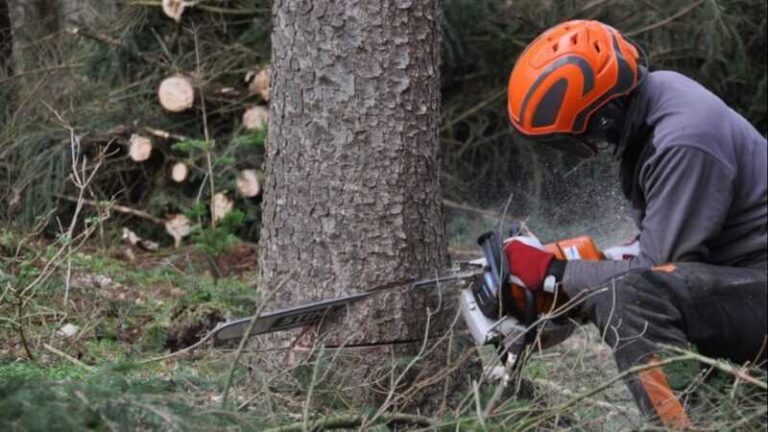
351,193
30,21
6,41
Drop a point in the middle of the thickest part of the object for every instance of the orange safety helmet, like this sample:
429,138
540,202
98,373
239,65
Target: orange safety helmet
567,74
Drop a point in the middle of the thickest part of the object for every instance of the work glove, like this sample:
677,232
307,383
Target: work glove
530,264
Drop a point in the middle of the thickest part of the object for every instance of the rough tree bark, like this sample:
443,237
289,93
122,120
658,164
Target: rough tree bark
351,193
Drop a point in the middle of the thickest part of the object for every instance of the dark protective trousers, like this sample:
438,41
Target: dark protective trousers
720,310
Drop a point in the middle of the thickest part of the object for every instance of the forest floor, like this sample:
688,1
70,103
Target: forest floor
101,360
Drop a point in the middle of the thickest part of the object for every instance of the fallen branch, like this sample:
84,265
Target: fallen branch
68,357
207,8
116,207
738,373
354,421
165,134
565,392
105,39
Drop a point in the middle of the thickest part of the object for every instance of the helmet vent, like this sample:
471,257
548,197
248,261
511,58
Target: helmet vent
575,39
597,46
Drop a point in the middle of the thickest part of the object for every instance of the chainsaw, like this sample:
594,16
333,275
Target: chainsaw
496,308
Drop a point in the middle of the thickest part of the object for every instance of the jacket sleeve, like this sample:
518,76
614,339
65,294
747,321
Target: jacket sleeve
688,194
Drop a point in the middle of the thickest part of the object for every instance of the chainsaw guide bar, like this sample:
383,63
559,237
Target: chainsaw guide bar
300,316
284,319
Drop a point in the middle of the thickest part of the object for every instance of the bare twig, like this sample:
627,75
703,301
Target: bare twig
68,357
665,21
738,373
105,39
207,8
493,98
209,143
165,134
247,335
116,207
354,421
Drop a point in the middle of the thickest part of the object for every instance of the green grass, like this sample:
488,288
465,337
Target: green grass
27,371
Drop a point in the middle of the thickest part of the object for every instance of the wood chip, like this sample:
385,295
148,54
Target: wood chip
178,226
248,183
176,93
221,206
255,117
69,330
149,245
179,172
140,148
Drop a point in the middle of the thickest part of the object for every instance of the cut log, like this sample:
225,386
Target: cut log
179,172
130,237
255,117
221,206
133,239
176,93
139,148
248,183
178,227
174,9
259,83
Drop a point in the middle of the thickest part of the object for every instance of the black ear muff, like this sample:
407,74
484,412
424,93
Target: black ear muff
608,121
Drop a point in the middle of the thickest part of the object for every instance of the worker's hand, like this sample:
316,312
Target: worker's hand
528,263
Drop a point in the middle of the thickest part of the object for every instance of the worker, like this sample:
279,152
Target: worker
694,171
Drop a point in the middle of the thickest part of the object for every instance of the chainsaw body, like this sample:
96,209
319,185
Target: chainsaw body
496,310
500,312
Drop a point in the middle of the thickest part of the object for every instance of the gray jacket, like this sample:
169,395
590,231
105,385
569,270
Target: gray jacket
696,174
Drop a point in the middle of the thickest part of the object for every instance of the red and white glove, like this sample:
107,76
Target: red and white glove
527,263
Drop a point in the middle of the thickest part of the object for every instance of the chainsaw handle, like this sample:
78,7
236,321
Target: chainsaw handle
498,276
